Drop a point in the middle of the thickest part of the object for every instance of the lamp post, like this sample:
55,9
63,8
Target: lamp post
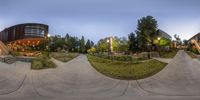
148,51
110,48
159,45
108,41
48,36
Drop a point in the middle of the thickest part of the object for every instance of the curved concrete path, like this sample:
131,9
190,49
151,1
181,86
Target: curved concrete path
181,77
77,80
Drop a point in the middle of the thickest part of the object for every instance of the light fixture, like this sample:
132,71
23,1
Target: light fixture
108,41
158,38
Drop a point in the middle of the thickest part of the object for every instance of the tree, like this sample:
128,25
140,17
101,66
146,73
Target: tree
72,43
178,40
91,50
92,43
146,32
88,45
185,42
57,42
133,43
102,45
118,44
82,45
164,42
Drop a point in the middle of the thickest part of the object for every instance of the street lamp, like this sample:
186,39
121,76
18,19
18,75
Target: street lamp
148,47
159,45
108,41
48,36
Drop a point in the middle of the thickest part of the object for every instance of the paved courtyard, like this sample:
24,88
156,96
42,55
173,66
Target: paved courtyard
77,80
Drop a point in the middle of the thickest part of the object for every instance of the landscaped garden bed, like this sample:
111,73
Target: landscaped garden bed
126,70
64,57
42,62
191,54
168,54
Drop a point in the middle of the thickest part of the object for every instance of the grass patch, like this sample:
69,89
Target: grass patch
42,62
64,57
191,54
126,70
168,54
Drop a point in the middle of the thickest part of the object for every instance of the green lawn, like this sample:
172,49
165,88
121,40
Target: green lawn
169,54
126,70
64,57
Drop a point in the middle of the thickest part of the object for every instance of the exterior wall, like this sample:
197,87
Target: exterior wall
196,37
23,31
164,34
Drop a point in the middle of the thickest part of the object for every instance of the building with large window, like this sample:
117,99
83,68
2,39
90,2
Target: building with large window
164,34
24,35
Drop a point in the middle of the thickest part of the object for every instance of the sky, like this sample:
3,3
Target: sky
96,19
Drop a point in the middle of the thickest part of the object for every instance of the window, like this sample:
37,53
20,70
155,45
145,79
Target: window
34,30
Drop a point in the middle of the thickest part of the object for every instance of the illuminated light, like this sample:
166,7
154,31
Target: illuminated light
158,38
108,41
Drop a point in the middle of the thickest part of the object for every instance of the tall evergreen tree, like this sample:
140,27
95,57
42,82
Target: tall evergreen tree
133,44
82,45
146,31
91,43
88,45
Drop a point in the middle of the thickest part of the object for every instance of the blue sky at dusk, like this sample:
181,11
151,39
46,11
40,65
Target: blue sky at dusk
97,19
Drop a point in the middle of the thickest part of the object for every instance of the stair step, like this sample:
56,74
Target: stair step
9,60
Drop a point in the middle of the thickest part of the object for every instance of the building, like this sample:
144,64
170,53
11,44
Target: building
22,35
195,41
164,34
195,37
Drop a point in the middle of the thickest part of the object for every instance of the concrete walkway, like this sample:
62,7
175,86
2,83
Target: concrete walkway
179,78
77,80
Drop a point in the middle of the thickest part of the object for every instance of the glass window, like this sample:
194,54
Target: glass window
34,30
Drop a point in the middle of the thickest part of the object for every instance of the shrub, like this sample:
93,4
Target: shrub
49,64
194,51
45,53
122,58
42,62
36,64
15,53
92,50
64,57
115,57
